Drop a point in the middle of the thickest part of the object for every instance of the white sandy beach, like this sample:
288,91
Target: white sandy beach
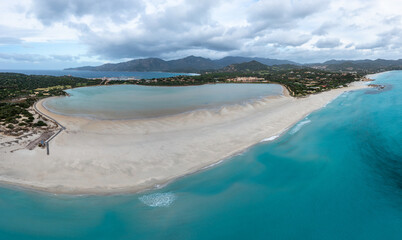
100,156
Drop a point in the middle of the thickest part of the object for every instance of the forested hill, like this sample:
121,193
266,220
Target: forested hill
360,66
16,85
251,66
188,64
200,65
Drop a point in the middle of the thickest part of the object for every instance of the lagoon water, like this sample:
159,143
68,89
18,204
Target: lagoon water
335,175
134,101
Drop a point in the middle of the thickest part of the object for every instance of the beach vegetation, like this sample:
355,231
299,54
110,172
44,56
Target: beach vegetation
40,123
18,93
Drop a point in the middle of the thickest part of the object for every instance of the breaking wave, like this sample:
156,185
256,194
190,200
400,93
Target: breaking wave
270,138
299,126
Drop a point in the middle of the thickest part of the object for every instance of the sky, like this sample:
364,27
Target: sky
56,34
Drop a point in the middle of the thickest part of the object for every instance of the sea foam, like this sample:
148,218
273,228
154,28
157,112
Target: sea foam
270,138
158,199
213,164
299,126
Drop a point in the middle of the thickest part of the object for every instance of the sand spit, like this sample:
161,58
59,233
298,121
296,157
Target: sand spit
103,157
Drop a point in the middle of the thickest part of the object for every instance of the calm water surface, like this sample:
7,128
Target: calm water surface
335,175
134,101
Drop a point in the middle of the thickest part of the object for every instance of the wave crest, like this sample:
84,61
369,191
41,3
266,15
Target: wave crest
270,138
299,126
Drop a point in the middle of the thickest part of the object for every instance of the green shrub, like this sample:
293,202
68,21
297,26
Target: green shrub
40,124
11,120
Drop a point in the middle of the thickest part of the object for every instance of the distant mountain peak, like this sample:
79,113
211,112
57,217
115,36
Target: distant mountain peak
188,64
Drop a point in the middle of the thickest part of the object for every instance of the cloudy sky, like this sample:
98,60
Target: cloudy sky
54,34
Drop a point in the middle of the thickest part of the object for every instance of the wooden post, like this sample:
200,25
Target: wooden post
47,148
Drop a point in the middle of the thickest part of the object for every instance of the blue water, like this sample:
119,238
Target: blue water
338,176
98,74
134,101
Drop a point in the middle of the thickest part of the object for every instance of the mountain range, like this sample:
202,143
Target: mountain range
363,66
188,64
200,64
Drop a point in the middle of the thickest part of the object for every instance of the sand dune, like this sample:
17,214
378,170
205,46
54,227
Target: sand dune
100,156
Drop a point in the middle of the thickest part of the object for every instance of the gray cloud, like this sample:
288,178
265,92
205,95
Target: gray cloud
120,29
175,29
171,30
393,20
350,45
324,28
191,27
328,43
391,39
181,18
278,14
371,45
51,11
167,42
294,41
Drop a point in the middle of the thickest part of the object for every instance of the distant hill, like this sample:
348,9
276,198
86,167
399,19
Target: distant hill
226,61
251,66
188,64
149,64
191,64
362,66
200,64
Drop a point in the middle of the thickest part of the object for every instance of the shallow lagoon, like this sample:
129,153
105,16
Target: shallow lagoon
134,101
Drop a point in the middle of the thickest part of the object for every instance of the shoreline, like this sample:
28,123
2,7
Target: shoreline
284,92
149,154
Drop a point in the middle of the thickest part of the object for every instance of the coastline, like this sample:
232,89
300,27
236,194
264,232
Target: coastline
149,153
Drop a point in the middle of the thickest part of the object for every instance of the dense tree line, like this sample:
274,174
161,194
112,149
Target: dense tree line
18,92
15,85
300,81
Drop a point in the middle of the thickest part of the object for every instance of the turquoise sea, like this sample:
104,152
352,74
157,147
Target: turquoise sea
335,175
134,101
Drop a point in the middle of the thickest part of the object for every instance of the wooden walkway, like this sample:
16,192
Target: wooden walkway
52,136
43,137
